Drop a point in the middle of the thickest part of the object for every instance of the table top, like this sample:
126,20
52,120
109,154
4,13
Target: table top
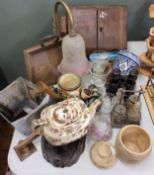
36,164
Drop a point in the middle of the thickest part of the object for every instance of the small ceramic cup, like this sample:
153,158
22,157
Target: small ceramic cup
70,84
133,144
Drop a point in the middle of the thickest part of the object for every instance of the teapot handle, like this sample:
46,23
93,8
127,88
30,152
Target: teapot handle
37,125
36,131
24,143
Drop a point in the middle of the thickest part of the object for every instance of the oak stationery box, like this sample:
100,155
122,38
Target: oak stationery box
103,27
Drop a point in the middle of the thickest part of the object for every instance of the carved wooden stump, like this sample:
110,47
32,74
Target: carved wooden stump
65,155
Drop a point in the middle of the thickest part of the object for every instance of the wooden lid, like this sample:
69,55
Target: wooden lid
103,154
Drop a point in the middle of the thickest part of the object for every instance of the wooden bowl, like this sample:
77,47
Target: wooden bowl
133,144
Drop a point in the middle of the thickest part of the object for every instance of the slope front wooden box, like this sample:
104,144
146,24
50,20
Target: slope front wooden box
41,62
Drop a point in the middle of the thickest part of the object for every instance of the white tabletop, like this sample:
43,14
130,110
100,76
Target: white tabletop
37,165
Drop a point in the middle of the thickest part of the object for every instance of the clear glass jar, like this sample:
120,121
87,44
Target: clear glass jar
100,127
99,72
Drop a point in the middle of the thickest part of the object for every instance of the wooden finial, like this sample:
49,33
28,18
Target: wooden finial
151,11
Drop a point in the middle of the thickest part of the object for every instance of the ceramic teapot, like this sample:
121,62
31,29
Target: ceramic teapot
63,125
65,121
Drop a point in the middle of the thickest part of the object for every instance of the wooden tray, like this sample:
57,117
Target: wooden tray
41,62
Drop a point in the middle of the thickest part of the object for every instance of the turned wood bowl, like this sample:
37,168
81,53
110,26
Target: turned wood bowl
133,144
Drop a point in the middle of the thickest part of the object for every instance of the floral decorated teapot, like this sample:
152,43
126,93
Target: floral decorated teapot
65,121
60,123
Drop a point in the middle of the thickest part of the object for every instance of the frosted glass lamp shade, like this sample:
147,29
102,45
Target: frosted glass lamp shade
74,56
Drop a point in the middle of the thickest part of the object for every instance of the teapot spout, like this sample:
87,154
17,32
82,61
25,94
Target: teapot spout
93,107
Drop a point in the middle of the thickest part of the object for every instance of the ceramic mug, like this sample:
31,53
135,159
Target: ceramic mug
69,84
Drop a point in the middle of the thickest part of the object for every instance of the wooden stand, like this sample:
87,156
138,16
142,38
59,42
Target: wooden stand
149,98
147,65
65,155
148,57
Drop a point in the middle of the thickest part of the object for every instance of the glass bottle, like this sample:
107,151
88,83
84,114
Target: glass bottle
100,127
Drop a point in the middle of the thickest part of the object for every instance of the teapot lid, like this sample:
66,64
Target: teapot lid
67,121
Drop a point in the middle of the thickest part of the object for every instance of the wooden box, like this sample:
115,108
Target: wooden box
102,27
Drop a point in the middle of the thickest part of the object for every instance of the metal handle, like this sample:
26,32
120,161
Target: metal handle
66,7
50,38
57,33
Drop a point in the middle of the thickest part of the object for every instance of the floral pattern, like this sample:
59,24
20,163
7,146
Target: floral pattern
68,121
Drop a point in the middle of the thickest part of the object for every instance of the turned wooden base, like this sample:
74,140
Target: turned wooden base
147,65
65,155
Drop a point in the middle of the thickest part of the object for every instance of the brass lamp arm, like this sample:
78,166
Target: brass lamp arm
66,7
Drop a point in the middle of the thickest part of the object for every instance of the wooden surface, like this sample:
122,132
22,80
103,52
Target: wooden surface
6,132
148,102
